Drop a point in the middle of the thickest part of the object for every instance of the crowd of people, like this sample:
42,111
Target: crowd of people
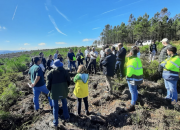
112,63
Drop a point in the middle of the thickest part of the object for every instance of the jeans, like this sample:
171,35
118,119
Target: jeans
79,100
119,67
87,61
74,65
92,62
80,62
152,55
108,82
134,93
68,64
56,110
171,87
37,91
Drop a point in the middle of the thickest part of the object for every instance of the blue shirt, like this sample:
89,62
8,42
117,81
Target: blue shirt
34,71
71,55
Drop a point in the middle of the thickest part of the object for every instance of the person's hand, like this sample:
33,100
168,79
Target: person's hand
32,85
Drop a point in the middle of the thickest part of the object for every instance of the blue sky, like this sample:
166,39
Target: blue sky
46,24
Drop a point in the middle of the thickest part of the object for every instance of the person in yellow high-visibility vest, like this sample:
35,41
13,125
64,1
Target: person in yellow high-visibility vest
134,77
171,74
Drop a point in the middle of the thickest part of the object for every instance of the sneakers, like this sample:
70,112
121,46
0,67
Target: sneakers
130,108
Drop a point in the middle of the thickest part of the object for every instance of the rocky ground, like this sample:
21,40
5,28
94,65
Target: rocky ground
107,111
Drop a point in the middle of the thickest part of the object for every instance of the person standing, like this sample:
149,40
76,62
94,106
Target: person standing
93,55
134,77
80,57
57,83
152,51
42,66
38,83
109,67
138,54
102,56
81,88
60,57
56,55
163,54
50,63
171,73
41,55
120,61
113,50
87,56
71,57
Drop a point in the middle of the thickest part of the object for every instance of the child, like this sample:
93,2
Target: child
81,88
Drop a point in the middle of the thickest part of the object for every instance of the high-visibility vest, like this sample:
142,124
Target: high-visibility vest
134,70
82,57
171,68
74,58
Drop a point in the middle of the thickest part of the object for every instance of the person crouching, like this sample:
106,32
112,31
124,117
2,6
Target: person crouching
81,88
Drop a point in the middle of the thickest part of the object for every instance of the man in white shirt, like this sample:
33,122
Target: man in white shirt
93,55
102,56
87,56
56,55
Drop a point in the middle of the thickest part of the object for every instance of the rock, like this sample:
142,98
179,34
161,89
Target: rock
97,119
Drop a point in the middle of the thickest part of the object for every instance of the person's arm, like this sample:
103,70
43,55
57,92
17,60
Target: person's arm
130,70
76,78
68,78
105,62
36,81
49,80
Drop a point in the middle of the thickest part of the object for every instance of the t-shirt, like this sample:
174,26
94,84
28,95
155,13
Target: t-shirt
34,71
102,53
55,56
71,55
86,52
93,53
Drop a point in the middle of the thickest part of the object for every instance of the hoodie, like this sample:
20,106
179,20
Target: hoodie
81,85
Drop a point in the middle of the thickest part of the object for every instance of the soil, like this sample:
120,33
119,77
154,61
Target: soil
106,110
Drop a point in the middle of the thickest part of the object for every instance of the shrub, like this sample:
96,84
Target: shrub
1,72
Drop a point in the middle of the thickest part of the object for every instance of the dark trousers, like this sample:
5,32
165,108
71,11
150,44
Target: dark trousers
79,100
87,61
80,62
72,63
92,62
119,67
101,60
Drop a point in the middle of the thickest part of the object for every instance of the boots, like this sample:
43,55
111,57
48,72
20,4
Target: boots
130,108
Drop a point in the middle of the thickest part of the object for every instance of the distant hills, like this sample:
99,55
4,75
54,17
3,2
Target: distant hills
10,51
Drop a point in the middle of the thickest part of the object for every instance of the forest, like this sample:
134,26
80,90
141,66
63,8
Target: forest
143,28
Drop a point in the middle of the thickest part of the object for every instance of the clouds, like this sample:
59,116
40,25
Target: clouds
60,43
2,28
62,14
95,28
26,44
54,23
51,31
108,11
14,12
87,40
7,41
42,44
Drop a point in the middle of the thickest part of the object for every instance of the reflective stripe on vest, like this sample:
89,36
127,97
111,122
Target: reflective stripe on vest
137,68
175,64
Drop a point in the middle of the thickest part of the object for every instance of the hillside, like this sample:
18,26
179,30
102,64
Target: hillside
107,111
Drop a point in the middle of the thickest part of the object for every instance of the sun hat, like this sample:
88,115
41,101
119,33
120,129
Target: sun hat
165,40
57,63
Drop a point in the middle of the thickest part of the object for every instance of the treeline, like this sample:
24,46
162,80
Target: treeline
143,28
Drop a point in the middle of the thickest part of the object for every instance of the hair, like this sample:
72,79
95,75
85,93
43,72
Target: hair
108,50
134,52
120,44
82,69
173,49
113,48
40,53
59,54
36,59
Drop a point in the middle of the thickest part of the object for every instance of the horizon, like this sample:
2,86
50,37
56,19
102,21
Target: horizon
37,25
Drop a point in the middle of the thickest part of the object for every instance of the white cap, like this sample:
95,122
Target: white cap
165,40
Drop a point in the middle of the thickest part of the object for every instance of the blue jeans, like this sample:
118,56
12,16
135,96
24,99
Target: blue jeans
134,93
68,64
56,110
74,65
119,68
171,87
37,91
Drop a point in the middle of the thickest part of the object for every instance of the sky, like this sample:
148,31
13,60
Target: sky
47,24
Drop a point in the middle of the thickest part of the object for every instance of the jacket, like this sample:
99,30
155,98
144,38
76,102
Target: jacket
120,56
163,54
81,85
109,65
49,64
57,83
171,68
134,71
151,47
79,56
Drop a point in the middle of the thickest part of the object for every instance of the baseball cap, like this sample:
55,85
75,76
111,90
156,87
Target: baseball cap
164,40
57,63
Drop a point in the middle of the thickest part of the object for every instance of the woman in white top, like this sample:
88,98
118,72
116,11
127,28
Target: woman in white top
42,66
